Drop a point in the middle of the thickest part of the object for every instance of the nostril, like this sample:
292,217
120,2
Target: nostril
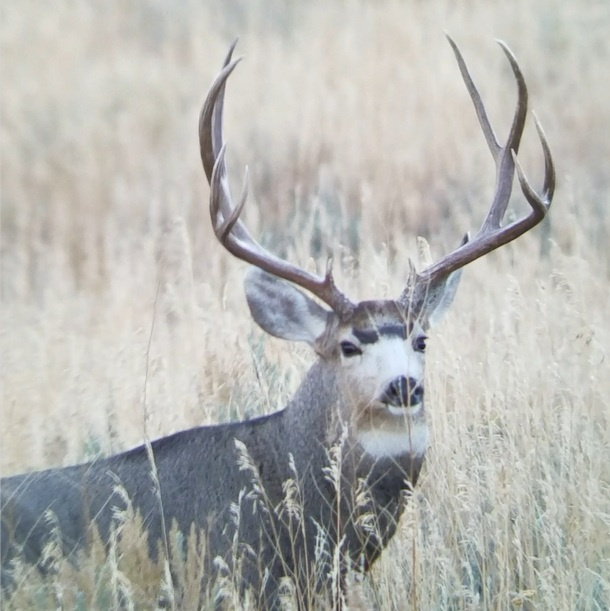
402,391
397,391
417,393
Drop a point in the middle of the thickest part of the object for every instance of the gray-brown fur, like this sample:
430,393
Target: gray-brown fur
199,476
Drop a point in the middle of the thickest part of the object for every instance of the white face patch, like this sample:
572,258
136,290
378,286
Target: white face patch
384,430
369,374
380,443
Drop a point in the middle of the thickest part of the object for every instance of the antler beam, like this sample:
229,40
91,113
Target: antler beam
235,237
491,234
228,227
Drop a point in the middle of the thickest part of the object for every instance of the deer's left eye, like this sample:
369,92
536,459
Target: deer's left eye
419,344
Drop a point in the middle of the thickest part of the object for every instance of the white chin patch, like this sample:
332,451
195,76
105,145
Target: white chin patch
411,439
404,411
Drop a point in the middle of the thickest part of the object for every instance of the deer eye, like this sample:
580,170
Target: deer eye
348,349
419,345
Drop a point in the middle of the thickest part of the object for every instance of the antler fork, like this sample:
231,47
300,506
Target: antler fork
491,234
228,227
236,238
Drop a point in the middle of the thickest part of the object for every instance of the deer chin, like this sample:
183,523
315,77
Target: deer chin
384,443
390,431
411,411
380,414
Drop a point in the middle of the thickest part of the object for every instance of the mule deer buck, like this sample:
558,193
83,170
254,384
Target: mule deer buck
350,442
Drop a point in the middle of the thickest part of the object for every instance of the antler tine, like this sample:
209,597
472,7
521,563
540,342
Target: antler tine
501,154
491,234
210,139
539,202
228,227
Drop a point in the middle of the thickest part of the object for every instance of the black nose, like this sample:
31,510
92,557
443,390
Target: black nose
402,392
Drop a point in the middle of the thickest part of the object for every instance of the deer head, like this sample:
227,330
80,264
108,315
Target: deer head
376,347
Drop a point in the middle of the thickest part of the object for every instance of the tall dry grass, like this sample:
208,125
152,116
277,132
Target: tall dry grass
122,317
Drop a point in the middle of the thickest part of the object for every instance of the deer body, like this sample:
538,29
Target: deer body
199,477
286,495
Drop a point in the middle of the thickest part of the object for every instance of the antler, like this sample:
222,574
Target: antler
228,227
491,234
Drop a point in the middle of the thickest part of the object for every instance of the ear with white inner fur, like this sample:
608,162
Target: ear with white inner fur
440,297
282,310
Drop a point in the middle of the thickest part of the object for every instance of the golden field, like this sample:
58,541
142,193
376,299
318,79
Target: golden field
123,318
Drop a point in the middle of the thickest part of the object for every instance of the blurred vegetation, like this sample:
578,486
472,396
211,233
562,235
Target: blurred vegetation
359,136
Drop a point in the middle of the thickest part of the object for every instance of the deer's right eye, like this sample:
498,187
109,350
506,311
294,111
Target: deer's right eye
348,349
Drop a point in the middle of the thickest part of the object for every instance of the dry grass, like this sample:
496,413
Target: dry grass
356,111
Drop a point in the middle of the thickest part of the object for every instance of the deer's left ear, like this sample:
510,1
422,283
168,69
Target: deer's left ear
440,297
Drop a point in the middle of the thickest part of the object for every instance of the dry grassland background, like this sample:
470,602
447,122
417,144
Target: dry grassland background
121,315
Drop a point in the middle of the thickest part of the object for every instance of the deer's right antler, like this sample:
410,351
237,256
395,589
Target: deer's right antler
228,227
491,234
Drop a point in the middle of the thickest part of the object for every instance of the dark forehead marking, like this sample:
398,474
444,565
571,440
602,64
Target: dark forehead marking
370,336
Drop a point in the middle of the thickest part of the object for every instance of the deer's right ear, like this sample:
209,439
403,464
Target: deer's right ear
282,310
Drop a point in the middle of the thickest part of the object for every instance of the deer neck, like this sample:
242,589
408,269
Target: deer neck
314,407
319,416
